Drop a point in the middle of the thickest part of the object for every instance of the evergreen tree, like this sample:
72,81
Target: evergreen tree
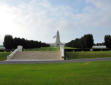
107,40
84,42
11,43
8,42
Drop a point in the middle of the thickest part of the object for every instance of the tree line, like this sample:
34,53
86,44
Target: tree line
87,41
12,43
84,42
107,40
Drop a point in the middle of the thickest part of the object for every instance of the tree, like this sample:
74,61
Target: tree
84,42
89,40
11,43
8,42
107,40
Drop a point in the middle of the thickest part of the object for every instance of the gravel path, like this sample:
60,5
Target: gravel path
54,61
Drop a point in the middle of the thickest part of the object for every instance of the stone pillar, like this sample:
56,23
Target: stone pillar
20,48
62,51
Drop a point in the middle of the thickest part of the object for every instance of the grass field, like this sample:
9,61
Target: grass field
3,55
47,49
88,73
87,54
43,49
69,48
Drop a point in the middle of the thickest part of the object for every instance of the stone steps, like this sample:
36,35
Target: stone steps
37,55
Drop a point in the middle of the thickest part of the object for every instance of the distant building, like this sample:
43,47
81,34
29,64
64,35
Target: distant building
2,48
99,47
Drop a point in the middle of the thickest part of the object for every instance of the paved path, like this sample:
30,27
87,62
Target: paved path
54,61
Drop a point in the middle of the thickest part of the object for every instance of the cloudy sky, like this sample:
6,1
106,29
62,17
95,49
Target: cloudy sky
40,19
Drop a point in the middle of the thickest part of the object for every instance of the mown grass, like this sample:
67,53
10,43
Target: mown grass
69,48
43,49
3,55
87,73
87,54
47,49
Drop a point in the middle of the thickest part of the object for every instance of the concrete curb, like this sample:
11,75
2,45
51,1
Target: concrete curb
54,61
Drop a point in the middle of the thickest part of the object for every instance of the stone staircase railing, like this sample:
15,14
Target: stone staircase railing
19,49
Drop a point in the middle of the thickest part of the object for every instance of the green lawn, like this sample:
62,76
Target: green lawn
88,73
69,48
87,54
43,49
47,49
3,55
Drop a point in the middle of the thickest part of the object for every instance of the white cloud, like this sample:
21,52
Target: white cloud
39,19
8,21
98,15
36,20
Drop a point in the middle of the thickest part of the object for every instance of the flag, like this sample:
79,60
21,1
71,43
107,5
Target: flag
54,36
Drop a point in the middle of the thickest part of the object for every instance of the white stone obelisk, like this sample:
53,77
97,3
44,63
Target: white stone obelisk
58,42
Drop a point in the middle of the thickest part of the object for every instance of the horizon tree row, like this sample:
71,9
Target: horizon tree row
87,42
84,42
12,43
107,40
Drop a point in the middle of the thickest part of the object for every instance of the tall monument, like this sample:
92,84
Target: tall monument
58,42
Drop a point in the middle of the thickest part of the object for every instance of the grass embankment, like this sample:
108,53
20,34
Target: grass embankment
43,49
69,48
3,55
87,54
88,73
47,49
